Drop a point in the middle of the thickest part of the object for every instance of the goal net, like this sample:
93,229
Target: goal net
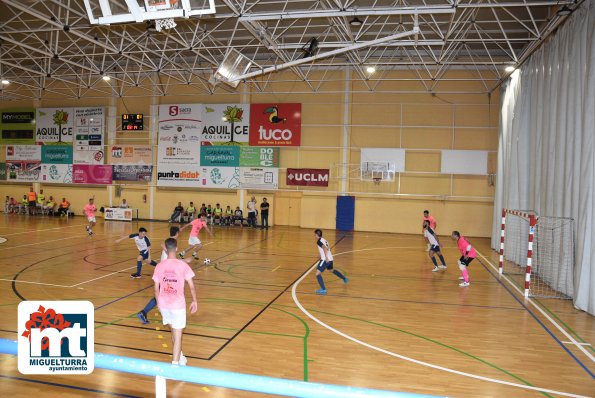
541,250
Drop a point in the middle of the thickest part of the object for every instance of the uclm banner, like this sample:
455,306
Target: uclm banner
275,124
308,177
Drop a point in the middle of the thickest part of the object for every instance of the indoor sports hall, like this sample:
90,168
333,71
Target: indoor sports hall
392,198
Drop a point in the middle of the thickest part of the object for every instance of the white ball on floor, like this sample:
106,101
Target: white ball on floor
207,261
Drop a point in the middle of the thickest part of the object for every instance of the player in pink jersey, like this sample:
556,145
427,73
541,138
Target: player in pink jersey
169,278
193,241
468,253
432,221
89,210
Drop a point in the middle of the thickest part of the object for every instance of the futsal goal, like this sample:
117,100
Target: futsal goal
541,250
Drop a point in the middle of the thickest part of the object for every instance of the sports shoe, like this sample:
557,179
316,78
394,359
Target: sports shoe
143,317
464,284
195,256
461,278
442,266
183,360
135,275
181,254
322,292
346,280
90,233
87,228
436,269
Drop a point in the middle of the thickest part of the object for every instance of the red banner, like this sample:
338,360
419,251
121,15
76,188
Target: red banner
92,174
275,124
308,177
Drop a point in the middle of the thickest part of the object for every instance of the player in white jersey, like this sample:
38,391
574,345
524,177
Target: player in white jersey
144,250
434,243
326,262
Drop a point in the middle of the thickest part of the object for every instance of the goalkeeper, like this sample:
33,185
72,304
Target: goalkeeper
468,253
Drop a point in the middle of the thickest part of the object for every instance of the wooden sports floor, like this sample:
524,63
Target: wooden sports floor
396,325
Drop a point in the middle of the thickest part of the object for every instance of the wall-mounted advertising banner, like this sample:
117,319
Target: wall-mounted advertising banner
178,176
23,162
226,156
251,156
132,173
56,154
225,124
89,126
92,174
220,177
259,178
17,126
178,152
275,124
2,171
131,154
308,177
56,173
54,125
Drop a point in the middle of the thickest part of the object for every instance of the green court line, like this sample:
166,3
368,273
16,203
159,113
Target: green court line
427,339
575,334
542,305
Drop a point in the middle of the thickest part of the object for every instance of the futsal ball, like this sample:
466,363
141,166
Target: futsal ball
207,261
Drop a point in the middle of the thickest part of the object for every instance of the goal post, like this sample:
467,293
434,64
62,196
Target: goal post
539,248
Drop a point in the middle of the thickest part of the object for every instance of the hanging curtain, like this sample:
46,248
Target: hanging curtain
546,157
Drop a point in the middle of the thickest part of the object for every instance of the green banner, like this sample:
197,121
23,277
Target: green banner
259,156
56,154
2,171
227,156
17,126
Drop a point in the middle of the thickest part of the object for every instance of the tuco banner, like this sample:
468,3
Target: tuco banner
275,124
308,177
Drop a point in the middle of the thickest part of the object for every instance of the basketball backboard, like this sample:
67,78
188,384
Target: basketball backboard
106,12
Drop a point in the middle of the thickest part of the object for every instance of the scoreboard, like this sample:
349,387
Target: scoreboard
132,121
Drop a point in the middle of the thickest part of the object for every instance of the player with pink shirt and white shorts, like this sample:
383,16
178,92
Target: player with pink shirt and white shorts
89,210
169,278
468,253
193,241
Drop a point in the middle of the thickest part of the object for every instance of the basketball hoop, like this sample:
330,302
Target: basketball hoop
167,23
377,180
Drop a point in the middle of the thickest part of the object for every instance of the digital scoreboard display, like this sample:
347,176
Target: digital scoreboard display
132,121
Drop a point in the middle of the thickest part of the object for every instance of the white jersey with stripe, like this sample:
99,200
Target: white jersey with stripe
322,243
431,237
142,244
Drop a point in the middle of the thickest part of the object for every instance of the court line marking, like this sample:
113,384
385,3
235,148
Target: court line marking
43,230
570,342
430,365
101,277
34,283
568,336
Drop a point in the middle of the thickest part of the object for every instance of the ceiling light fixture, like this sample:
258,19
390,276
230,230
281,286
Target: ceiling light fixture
564,11
370,69
355,22
106,78
509,68
5,82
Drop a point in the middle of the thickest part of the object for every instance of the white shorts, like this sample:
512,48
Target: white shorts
193,240
176,318
91,219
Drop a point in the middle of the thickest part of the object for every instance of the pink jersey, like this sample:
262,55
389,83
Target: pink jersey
90,210
463,245
197,225
171,275
432,221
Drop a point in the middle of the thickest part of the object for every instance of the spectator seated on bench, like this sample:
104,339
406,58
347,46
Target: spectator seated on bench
189,213
64,207
238,215
176,216
227,216
49,207
218,214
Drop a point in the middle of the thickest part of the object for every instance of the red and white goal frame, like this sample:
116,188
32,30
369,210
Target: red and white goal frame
532,220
